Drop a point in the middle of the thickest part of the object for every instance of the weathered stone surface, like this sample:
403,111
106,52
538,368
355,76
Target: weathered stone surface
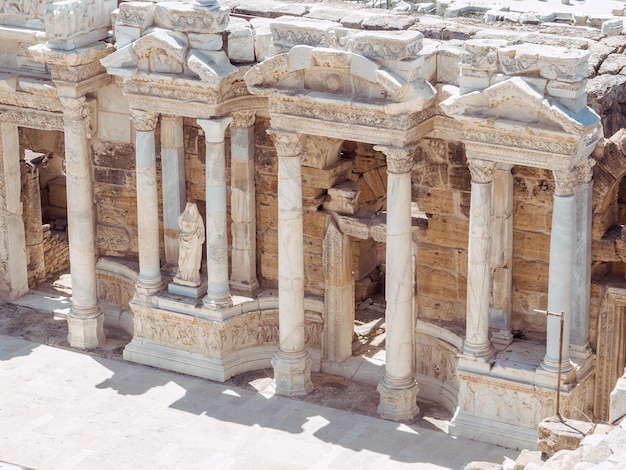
555,435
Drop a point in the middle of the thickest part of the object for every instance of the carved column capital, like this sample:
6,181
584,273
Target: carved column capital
243,118
288,144
482,170
73,108
585,170
399,159
144,121
565,182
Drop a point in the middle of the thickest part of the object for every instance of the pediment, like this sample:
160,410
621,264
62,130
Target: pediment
514,103
335,75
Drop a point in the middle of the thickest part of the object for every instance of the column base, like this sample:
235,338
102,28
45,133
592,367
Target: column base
85,332
553,366
149,285
245,287
502,338
292,373
484,352
580,353
221,302
398,402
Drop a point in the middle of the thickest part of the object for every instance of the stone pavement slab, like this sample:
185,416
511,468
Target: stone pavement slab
65,409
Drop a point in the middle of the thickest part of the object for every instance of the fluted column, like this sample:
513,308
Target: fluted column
562,239
173,176
149,280
292,363
397,389
581,282
85,319
218,290
243,202
476,342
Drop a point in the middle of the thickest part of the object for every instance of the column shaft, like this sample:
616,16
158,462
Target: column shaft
292,364
85,320
173,175
149,280
13,279
581,287
218,290
398,390
476,342
562,240
243,203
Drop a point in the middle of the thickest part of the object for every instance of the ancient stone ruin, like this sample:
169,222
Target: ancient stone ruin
471,174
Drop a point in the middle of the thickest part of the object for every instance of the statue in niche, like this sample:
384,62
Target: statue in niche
191,238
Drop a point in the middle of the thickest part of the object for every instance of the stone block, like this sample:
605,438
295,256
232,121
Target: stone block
435,200
526,457
530,275
613,27
531,217
262,37
328,177
205,42
125,35
446,231
57,195
289,31
114,127
363,257
191,17
113,238
549,62
531,245
135,14
437,284
239,41
380,44
343,198
555,435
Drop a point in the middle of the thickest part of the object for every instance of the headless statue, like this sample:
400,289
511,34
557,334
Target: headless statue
191,238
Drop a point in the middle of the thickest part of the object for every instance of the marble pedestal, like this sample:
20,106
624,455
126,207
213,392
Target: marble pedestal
187,291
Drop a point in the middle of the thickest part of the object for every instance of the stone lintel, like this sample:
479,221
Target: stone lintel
191,17
25,35
83,55
75,89
32,118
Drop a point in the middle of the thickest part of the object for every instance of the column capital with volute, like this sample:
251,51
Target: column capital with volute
482,171
565,182
144,121
243,118
399,159
288,144
585,171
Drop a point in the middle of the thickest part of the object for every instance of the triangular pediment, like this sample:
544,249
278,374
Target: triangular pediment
518,104
335,75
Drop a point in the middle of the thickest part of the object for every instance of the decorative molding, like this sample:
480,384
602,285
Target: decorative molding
144,121
288,144
585,171
482,171
243,118
519,140
565,182
32,118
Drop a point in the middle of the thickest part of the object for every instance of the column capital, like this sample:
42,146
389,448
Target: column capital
73,108
585,170
214,129
399,159
482,170
144,121
288,144
565,182
244,118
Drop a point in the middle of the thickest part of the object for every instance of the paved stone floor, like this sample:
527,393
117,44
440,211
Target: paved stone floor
65,409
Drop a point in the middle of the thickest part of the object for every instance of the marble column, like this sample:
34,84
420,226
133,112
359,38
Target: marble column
149,281
292,363
173,175
501,255
476,344
14,276
581,272
218,290
243,203
562,240
85,319
397,389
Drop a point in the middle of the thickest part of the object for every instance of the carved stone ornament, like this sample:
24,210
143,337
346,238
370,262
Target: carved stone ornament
399,160
565,182
482,171
144,121
243,118
73,108
288,144
585,170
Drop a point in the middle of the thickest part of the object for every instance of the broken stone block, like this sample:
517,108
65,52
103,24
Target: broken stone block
240,41
555,435
343,198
